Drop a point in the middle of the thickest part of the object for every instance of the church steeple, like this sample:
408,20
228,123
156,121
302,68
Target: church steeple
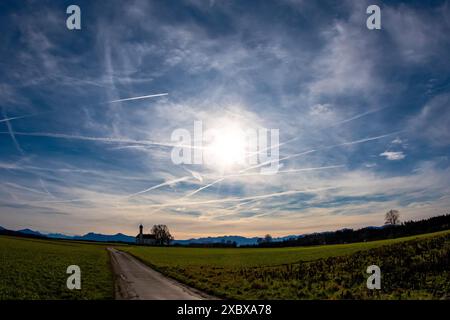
140,236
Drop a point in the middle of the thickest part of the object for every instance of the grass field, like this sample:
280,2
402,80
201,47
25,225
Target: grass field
36,269
412,267
252,257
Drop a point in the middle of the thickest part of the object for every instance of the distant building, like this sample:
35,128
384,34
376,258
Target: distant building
145,239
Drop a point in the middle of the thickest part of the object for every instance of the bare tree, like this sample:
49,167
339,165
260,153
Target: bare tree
162,234
392,217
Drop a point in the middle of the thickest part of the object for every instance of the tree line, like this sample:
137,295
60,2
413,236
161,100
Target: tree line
392,229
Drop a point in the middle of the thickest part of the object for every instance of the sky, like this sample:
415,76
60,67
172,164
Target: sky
363,115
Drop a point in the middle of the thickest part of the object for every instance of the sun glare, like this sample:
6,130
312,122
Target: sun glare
227,147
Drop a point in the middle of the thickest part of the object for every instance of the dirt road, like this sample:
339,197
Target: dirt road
135,280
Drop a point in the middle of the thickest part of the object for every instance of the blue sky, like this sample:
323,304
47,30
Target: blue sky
372,107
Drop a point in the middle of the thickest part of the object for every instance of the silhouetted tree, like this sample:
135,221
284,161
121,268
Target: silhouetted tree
267,238
162,234
392,217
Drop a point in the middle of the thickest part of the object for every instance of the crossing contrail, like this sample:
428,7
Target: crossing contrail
242,172
355,117
320,148
13,118
201,188
237,199
159,186
11,132
140,97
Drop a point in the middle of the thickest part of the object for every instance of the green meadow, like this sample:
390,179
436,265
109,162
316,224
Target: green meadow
36,269
412,267
252,257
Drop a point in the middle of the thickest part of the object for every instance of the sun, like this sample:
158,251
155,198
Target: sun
226,148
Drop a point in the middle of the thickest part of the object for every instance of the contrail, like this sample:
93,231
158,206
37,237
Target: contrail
278,160
288,171
126,197
129,147
61,201
194,174
357,116
13,118
98,139
11,132
235,208
272,147
321,148
159,186
24,188
253,174
45,189
260,215
332,126
139,98
240,204
202,188
290,157
103,139
241,175
364,140
263,196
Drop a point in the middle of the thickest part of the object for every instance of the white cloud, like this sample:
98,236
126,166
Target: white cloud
393,155
319,109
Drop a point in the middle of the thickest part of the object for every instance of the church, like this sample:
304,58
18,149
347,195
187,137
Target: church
145,239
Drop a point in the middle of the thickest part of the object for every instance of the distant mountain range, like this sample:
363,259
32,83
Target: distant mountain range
241,241
345,235
120,237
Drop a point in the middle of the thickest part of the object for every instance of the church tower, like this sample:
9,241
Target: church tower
141,235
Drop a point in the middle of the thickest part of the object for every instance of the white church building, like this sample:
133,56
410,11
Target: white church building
145,239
